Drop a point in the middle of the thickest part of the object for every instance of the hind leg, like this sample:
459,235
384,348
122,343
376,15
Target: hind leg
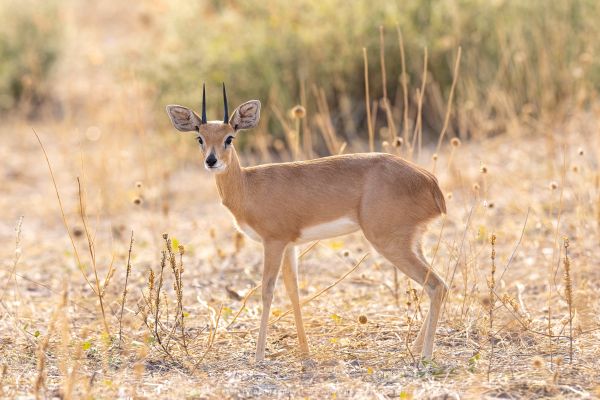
417,346
397,247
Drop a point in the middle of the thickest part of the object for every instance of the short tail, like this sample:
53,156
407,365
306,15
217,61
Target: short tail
438,196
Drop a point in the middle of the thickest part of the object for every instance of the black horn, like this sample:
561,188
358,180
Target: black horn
203,104
226,117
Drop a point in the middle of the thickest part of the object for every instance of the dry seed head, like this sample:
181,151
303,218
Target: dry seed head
298,112
485,301
77,231
476,187
151,281
537,362
362,319
181,249
493,257
137,201
449,195
558,360
575,168
455,142
398,142
553,185
434,157
385,145
346,253
580,151
93,133
165,236
506,299
138,184
483,169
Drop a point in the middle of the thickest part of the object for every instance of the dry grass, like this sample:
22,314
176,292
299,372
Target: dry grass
181,309
349,358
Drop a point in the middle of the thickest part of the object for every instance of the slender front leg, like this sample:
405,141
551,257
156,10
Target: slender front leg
290,279
273,254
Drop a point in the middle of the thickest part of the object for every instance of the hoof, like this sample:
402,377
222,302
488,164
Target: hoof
304,352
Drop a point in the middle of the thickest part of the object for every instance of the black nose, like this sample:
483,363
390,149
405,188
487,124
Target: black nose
211,160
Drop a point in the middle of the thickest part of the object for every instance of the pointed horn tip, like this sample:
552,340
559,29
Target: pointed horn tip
226,110
203,103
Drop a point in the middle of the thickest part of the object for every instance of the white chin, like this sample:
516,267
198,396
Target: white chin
216,169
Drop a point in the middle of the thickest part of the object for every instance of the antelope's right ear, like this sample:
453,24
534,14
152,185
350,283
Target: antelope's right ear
246,116
183,118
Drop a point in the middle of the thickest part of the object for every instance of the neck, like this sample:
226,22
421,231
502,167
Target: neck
231,184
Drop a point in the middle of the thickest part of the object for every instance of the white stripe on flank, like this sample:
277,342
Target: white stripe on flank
337,227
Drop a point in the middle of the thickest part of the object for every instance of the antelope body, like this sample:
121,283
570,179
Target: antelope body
284,204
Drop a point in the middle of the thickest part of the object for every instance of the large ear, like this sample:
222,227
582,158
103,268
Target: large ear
183,118
246,116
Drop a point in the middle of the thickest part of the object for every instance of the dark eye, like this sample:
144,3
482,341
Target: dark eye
200,140
228,140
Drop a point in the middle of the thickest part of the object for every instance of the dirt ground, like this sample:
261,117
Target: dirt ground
52,338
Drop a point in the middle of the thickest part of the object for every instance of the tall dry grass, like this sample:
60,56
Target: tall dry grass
167,331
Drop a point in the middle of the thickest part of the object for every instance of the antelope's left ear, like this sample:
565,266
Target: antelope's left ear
246,116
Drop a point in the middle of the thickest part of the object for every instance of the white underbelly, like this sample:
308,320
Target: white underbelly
337,227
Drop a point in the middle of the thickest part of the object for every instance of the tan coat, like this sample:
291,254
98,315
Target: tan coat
388,198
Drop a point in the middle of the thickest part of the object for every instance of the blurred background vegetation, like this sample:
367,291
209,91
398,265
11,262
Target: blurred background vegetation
522,62
30,43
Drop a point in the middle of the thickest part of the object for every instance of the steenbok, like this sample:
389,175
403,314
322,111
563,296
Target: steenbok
283,205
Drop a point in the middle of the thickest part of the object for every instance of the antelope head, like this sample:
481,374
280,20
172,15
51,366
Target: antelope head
215,137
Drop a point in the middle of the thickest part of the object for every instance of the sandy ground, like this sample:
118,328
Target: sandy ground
348,359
